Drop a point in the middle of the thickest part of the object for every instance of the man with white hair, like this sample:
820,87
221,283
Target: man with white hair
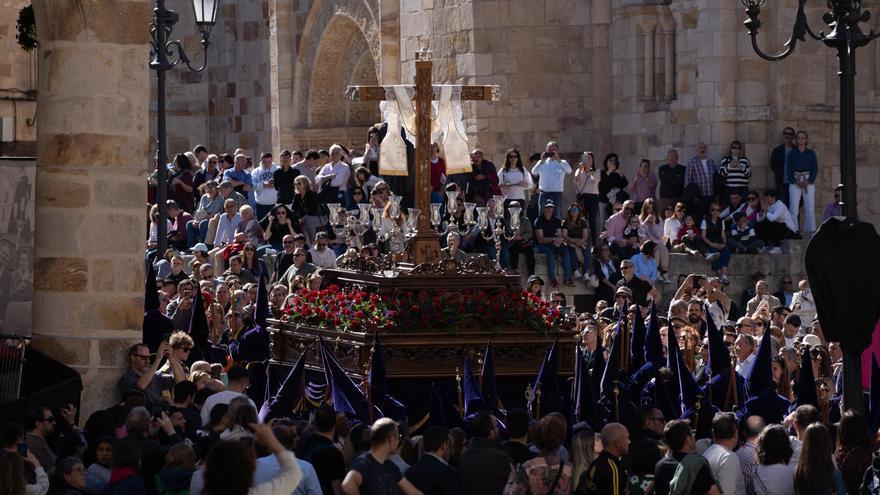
700,173
332,179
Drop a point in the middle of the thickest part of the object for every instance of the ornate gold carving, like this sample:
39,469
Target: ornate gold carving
478,265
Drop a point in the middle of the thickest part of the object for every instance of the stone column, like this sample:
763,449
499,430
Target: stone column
648,28
90,186
668,26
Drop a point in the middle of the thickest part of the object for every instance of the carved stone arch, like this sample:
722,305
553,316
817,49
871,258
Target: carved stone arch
325,17
363,113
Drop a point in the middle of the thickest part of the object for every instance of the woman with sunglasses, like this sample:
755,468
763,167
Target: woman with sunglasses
251,260
653,228
753,207
514,180
577,241
586,181
277,224
736,170
715,240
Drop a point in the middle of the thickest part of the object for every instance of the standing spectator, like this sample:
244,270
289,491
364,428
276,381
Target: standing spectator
517,436
748,451
372,472
230,467
779,163
42,425
514,180
802,167
644,184
432,474
146,377
241,179
547,473
585,444
853,454
332,180
318,449
308,166
641,289
282,179
577,241
736,170
671,178
607,474
548,235
551,172
775,224
715,239
484,465
181,182
700,176
268,467
815,473
239,380
263,178
483,179
653,229
123,475
774,475
612,184
307,208
785,294
723,462
586,181
802,304
438,173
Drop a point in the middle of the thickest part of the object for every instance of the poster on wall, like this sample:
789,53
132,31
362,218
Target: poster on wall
16,246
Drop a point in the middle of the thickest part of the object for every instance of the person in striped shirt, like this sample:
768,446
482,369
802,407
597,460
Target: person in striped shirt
736,170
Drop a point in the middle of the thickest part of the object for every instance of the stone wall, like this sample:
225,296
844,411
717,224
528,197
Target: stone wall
90,219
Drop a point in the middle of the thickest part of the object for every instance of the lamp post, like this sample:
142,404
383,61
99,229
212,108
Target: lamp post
842,18
165,54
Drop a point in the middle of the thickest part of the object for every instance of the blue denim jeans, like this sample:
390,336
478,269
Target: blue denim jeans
572,253
722,260
550,251
556,197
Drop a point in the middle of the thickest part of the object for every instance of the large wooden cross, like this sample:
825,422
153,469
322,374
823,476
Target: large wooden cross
425,245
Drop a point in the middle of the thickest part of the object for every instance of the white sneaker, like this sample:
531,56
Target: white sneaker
663,279
775,250
692,252
713,256
723,279
577,274
763,250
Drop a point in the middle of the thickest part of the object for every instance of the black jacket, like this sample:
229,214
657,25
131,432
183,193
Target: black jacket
433,477
484,467
843,266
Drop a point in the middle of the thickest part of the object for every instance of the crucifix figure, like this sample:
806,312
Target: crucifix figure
425,244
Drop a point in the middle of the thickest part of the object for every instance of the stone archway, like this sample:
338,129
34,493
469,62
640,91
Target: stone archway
343,58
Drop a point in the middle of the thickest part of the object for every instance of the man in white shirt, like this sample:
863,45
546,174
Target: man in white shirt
334,174
239,379
323,256
775,224
744,347
723,462
229,220
551,172
265,194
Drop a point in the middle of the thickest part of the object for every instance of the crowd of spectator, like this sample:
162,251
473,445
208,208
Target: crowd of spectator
225,205
184,426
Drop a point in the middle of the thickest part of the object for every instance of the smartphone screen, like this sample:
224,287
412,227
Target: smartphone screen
23,449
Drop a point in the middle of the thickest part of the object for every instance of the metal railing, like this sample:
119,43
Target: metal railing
12,351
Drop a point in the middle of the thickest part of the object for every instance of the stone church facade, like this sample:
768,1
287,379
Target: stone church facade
636,77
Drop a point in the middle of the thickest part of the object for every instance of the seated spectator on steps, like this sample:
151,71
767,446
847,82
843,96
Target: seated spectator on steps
250,226
742,239
641,289
614,230
548,233
177,236
775,224
210,205
689,239
645,264
715,240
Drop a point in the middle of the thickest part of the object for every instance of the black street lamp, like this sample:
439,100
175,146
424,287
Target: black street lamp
842,18
166,54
